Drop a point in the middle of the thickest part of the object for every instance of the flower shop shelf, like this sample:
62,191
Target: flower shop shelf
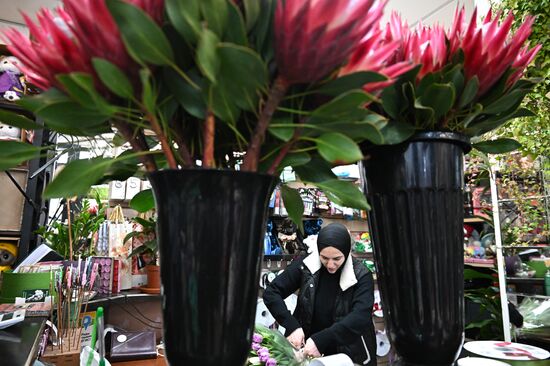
473,220
525,280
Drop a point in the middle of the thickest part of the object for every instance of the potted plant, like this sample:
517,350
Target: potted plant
214,98
146,253
84,223
466,81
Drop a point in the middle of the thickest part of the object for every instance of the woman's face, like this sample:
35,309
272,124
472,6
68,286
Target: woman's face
332,259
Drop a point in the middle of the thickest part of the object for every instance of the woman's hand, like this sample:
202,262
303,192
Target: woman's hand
310,349
296,338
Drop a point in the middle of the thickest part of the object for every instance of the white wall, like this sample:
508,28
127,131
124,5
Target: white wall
10,11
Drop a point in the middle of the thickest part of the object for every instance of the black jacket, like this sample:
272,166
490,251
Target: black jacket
352,331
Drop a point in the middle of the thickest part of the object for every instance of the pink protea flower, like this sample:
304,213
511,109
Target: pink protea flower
315,37
67,41
378,52
490,48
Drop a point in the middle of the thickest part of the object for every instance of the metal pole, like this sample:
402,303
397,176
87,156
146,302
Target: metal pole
500,258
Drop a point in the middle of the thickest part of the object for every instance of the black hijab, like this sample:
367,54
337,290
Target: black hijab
336,236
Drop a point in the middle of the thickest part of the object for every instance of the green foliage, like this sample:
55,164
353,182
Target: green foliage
533,132
84,224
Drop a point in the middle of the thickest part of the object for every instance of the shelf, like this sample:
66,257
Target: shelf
543,297
543,246
364,255
526,280
473,220
480,263
282,257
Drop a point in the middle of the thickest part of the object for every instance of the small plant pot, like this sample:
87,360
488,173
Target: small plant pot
153,280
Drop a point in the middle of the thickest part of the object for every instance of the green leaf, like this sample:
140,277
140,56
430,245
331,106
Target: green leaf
18,120
470,274
349,82
215,12
455,77
71,118
282,133
143,38
208,59
77,177
498,146
469,93
252,10
236,29
396,132
143,201
293,204
185,17
113,78
345,107
439,97
316,170
485,125
241,80
81,88
35,103
478,108
13,153
148,95
503,104
295,159
393,100
338,148
344,194
243,74
191,99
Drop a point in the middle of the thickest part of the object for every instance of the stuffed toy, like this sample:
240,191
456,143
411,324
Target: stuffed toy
8,255
9,132
12,82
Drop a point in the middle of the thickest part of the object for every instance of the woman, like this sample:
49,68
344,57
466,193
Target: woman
334,310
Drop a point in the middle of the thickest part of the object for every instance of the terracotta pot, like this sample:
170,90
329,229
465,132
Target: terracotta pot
153,277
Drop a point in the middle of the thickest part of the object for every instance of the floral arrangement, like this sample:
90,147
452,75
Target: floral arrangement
259,86
271,348
465,79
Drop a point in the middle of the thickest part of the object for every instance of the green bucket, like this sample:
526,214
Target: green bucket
34,287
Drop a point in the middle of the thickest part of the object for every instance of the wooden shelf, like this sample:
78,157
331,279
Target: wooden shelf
479,263
473,220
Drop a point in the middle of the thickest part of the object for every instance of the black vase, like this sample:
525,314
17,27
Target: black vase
211,225
415,190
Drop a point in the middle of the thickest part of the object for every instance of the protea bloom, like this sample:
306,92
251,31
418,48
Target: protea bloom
315,37
490,49
67,41
381,52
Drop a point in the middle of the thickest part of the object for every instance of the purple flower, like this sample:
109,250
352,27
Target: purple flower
264,357
263,350
256,346
257,338
271,362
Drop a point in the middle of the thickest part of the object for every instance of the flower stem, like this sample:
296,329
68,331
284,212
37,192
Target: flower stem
163,141
208,140
286,148
138,143
276,94
183,149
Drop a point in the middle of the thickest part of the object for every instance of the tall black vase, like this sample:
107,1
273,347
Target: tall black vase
416,193
211,225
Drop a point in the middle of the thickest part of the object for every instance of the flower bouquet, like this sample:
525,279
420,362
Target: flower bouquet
271,348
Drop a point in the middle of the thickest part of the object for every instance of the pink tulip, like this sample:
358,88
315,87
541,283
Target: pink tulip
490,48
315,37
67,42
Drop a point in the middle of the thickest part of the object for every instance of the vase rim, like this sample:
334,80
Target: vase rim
459,138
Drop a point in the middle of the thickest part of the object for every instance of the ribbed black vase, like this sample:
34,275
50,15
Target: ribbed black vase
415,190
211,225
